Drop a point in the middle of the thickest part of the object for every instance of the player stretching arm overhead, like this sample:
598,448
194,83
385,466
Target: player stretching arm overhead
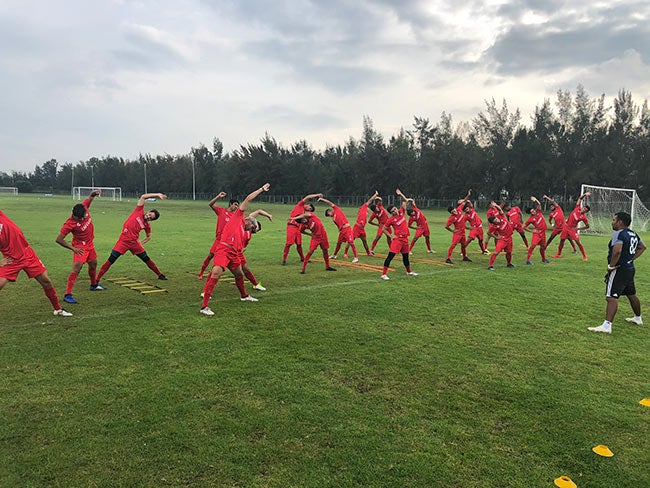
294,234
343,225
223,215
572,226
359,228
399,243
536,220
556,217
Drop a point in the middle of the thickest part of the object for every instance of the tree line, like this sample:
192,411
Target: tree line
576,139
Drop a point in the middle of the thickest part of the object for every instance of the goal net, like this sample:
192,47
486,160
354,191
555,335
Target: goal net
604,202
8,190
112,192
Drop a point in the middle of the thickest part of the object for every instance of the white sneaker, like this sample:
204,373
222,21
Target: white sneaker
385,277
430,251
600,328
634,320
62,313
249,298
207,311
333,256
259,287
412,274
355,260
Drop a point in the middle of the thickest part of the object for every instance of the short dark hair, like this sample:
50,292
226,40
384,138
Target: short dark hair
156,213
79,211
390,207
329,212
234,200
530,210
587,207
624,217
372,207
450,208
309,205
491,219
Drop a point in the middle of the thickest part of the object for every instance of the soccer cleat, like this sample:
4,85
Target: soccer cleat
429,251
528,263
333,256
634,320
302,271
546,261
69,299
259,287
557,256
486,252
200,277
466,259
284,263
584,258
249,298
345,256
62,313
411,273
449,261
162,277
600,328
385,277
329,268
97,287
371,253
410,253
491,268
355,260
575,251
511,266
207,311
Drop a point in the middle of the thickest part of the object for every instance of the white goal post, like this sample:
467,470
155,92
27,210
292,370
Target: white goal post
11,190
604,202
112,192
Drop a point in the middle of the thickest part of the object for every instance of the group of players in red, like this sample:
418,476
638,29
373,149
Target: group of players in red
234,231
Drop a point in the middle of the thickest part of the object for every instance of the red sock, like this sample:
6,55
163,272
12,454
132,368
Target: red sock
305,261
354,250
509,258
152,266
208,288
239,283
530,253
285,253
326,258
72,279
104,269
206,263
542,251
251,277
385,271
492,259
300,253
582,250
92,274
50,293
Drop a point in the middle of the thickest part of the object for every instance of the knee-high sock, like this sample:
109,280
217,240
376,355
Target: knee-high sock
306,260
206,263
582,249
104,269
354,250
152,266
50,293
251,277
285,252
72,279
208,288
300,253
508,257
239,283
451,249
92,274
326,258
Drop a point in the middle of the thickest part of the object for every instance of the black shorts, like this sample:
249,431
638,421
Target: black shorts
619,282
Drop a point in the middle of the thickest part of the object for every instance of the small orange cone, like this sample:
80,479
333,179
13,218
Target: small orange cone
603,451
564,482
645,402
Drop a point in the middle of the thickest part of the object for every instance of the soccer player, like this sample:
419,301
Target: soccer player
501,230
247,238
228,253
381,216
294,233
476,227
345,231
491,212
515,216
18,255
456,225
624,247
538,223
418,221
316,230
359,227
571,226
399,242
223,215
129,238
80,225
556,217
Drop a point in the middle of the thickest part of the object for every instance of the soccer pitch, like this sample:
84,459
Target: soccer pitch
459,377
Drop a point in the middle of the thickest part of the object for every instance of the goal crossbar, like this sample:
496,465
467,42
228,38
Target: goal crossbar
112,192
605,201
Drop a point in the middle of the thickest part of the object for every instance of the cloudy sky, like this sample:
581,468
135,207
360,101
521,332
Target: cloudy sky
83,78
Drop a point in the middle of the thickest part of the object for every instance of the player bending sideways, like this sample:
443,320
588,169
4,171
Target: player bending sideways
556,217
294,230
229,252
572,226
475,227
537,226
223,215
345,231
129,239
80,225
399,240
359,227
418,221
17,255
501,230
456,225
381,216
316,230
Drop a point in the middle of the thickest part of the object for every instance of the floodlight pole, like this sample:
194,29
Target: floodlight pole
193,181
145,177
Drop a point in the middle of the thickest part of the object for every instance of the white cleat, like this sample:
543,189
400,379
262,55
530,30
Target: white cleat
333,256
259,287
385,277
634,320
355,260
207,311
249,298
411,273
62,313
600,328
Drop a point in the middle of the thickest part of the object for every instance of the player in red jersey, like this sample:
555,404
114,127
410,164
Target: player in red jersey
381,216
501,230
129,239
229,252
476,227
515,217
294,234
359,227
80,225
418,221
556,217
316,230
491,212
223,215
571,226
399,243
345,231
456,225
536,220
247,238
18,255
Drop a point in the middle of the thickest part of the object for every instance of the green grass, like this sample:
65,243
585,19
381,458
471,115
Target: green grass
459,377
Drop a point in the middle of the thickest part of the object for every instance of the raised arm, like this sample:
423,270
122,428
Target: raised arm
261,212
536,202
313,195
582,197
466,199
372,198
550,200
93,194
143,197
253,195
325,200
221,194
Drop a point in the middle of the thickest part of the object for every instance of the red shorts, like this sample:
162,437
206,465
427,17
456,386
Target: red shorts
89,255
570,234
345,235
242,259
458,238
380,230
315,242
556,231
28,263
518,227
400,245
123,246
503,245
294,236
227,258
215,244
358,232
539,238
476,233
422,231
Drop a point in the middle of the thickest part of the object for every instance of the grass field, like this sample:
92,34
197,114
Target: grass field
459,377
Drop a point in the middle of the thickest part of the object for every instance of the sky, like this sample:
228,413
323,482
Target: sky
82,79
